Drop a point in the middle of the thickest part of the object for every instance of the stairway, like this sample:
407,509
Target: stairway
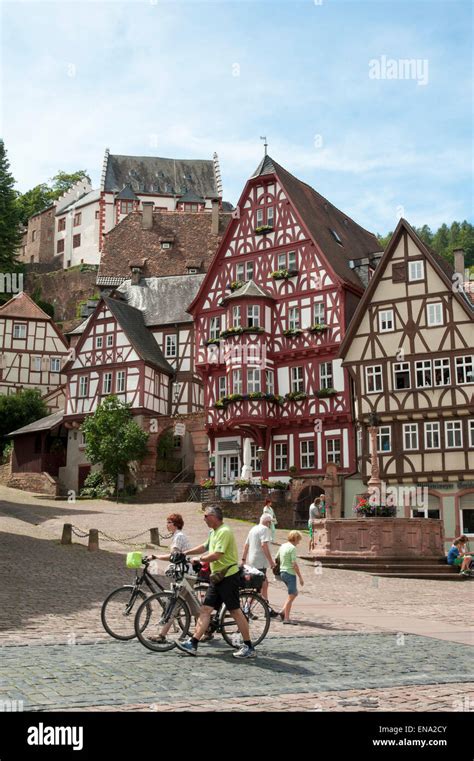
435,569
163,493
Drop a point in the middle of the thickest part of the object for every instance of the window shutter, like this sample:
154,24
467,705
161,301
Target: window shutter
399,272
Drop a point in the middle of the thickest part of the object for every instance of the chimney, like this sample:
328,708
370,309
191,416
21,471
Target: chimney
458,254
136,275
147,215
215,217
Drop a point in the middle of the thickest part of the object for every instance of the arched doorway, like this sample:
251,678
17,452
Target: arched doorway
305,498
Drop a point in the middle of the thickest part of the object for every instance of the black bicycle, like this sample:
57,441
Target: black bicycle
120,606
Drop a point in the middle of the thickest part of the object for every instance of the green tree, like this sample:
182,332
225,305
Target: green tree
63,181
425,234
113,439
18,410
33,201
441,240
10,231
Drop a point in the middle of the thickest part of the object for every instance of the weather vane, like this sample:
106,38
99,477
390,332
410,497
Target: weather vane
265,143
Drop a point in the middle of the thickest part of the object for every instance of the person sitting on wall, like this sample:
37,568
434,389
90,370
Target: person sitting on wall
457,557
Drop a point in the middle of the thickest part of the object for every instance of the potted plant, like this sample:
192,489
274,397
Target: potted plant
296,396
263,229
283,274
233,331
318,328
292,332
253,329
207,483
365,509
236,284
323,393
211,341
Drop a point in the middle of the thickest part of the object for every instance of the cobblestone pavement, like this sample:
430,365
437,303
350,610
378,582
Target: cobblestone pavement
45,677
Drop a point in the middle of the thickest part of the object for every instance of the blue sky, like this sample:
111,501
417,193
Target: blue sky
185,79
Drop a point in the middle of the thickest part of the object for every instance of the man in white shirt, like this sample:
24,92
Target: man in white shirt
257,550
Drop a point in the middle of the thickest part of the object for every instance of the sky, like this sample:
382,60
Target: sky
323,80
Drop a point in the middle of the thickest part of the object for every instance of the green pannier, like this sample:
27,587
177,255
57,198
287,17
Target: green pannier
134,559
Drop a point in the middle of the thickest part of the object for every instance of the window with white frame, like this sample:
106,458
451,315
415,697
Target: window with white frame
255,463
215,327
333,450
237,381
325,375
359,441
432,436
291,260
319,315
286,261
99,342
270,381
401,375
294,321
84,385
307,454
107,383
249,270
281,261
416,270
434,314
296,379
410,436
384,439
253,316
19,330
120,382
259,217
55,365
36,361
221,386
110,340
465,369
236,316
240,272
281,456
253,380
423,373
171,346
453,432
386,321
471,433
373,379
270,216
442,371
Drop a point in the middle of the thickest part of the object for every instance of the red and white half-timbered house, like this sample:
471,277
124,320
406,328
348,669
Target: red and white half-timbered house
33,350
269,319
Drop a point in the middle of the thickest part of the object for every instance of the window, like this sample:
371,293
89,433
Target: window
336,236
386,321
410,436
373,379
286,261
83,385
77,219
325,375
126,207
249,270
99,342
318,313
255,463
221,386
107,383
171,346
259,217
281,456
423,373
76,240
270,218
120,381
97,215
33,235
19,330
61,224
333,450
401,375
453,433
240,273
442,372
291,260
215,327
237,381
253,316
359,441
464,369
416,270
270,380
307,454
434,313
37,364
60,246
110,340
471,433
294,318
165,244
55,365
236,317
296,379
384,438
432,436
253,380
281,262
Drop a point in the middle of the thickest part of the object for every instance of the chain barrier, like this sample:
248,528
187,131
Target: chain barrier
78,532
124,540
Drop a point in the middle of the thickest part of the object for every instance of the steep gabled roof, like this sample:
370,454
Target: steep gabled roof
191,197
162,176
126,194
22,305
249,290
266,166
43,424
162,300
441,266
132,323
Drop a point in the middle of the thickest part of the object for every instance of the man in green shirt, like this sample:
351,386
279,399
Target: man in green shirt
220,551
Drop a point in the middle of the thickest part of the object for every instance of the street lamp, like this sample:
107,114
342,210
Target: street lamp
260,454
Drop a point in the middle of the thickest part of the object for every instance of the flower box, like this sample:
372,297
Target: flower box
281,485
365,509
236,284
324,393
296,396
211,341
283,274
263,229
293,332
317,328
231,332
256,329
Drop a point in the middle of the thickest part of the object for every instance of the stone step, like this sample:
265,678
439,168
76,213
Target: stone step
361,560
424,576
395,568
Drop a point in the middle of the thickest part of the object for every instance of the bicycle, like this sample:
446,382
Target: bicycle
118,606
170,609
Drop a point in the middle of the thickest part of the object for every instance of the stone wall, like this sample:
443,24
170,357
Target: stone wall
37,483
251,509
64,289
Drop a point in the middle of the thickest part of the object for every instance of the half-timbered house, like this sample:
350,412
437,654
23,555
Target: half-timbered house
33,350
269,318
410,353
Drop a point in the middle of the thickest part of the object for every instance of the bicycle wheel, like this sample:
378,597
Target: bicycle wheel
161,620
118,611
257,613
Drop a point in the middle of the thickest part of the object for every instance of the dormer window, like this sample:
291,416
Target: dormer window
126,207
336,237
166,245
